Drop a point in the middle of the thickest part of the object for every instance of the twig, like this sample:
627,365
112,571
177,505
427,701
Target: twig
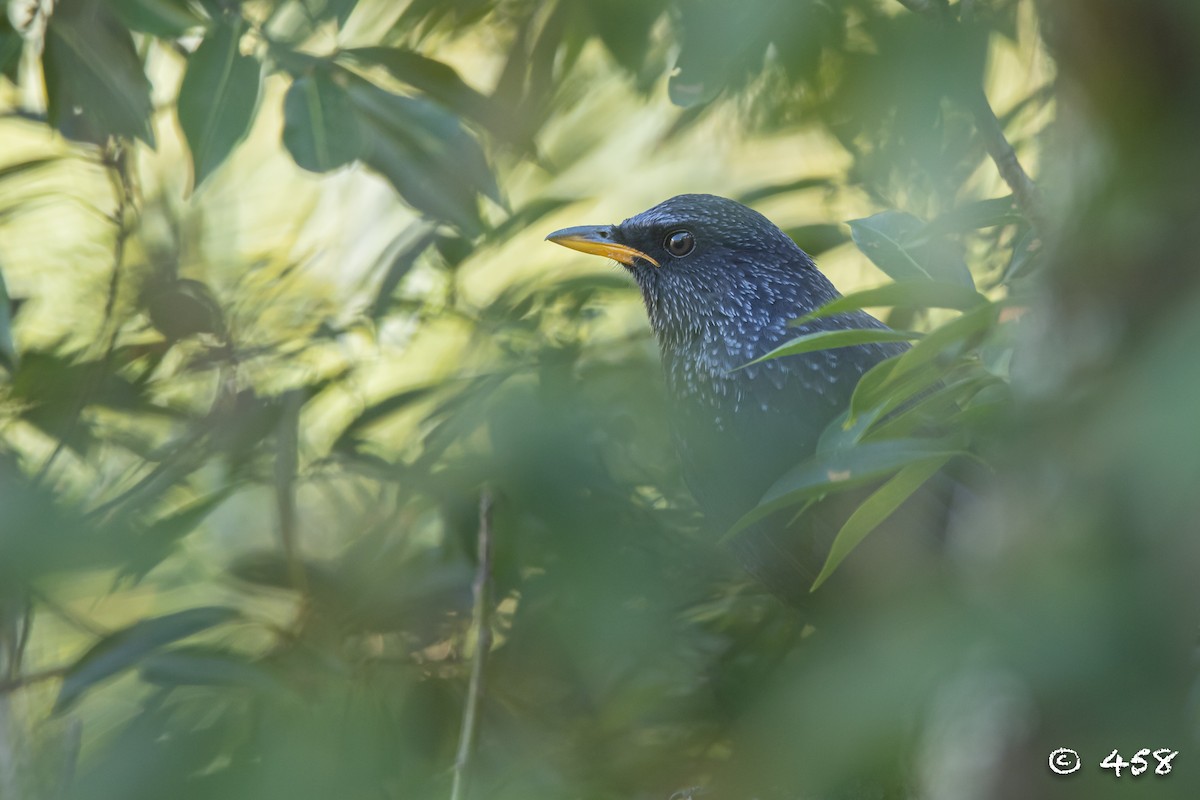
116,160
483,643
287,461
1025,192
21,681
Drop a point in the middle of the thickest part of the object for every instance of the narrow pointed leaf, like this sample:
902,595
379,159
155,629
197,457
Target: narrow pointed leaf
8,349
125,648
840,470
163,18
208,666
877,508
885,239
217,97
910,294
828,340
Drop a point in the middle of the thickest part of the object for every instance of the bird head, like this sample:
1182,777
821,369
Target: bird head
702,259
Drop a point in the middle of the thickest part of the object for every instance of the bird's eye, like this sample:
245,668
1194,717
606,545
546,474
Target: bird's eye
679,243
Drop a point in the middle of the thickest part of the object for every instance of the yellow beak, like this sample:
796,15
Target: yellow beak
598,240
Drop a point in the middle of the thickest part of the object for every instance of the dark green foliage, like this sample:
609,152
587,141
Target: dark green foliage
218,96
95,85
321,130
239,517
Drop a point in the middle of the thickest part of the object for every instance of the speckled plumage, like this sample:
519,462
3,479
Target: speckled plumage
723,304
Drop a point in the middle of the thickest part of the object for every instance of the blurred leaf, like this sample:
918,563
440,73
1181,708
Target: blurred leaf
980,214
828,340
913,294
8,349
11,46
880,390
339,10
218,96
1027,253
432,78
123,649
321,128
207,666
183,308
877,508
938,405
753,196
525,216
95,86
843,469
401,263
625,27
13,170
884,238
54,389
426,153
168,19
816,239
959,334
165,533
378,411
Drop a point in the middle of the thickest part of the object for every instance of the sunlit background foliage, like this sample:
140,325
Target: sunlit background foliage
280,340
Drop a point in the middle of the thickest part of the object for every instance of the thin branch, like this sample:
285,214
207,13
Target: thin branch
1025,192
483,643
21,681
287,460
116,160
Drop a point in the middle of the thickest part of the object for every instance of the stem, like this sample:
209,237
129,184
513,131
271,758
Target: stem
287,460
1025,192
21,681
116,159
483,643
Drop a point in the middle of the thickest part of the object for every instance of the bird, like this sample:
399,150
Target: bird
722,285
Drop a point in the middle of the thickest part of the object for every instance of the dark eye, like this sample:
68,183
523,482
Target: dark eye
679,243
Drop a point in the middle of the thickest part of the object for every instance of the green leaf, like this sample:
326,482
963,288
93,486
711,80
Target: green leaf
910,294
1027,252
885,239
979,214
157,542
321,129
168,19
959,333
880,390
207,666
819,238
938,406
765,192
8,349
401,262
877,508
828,340
432,78
217,97
95,86
843,469
183,308
379,411
125,648
425,152
11,46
